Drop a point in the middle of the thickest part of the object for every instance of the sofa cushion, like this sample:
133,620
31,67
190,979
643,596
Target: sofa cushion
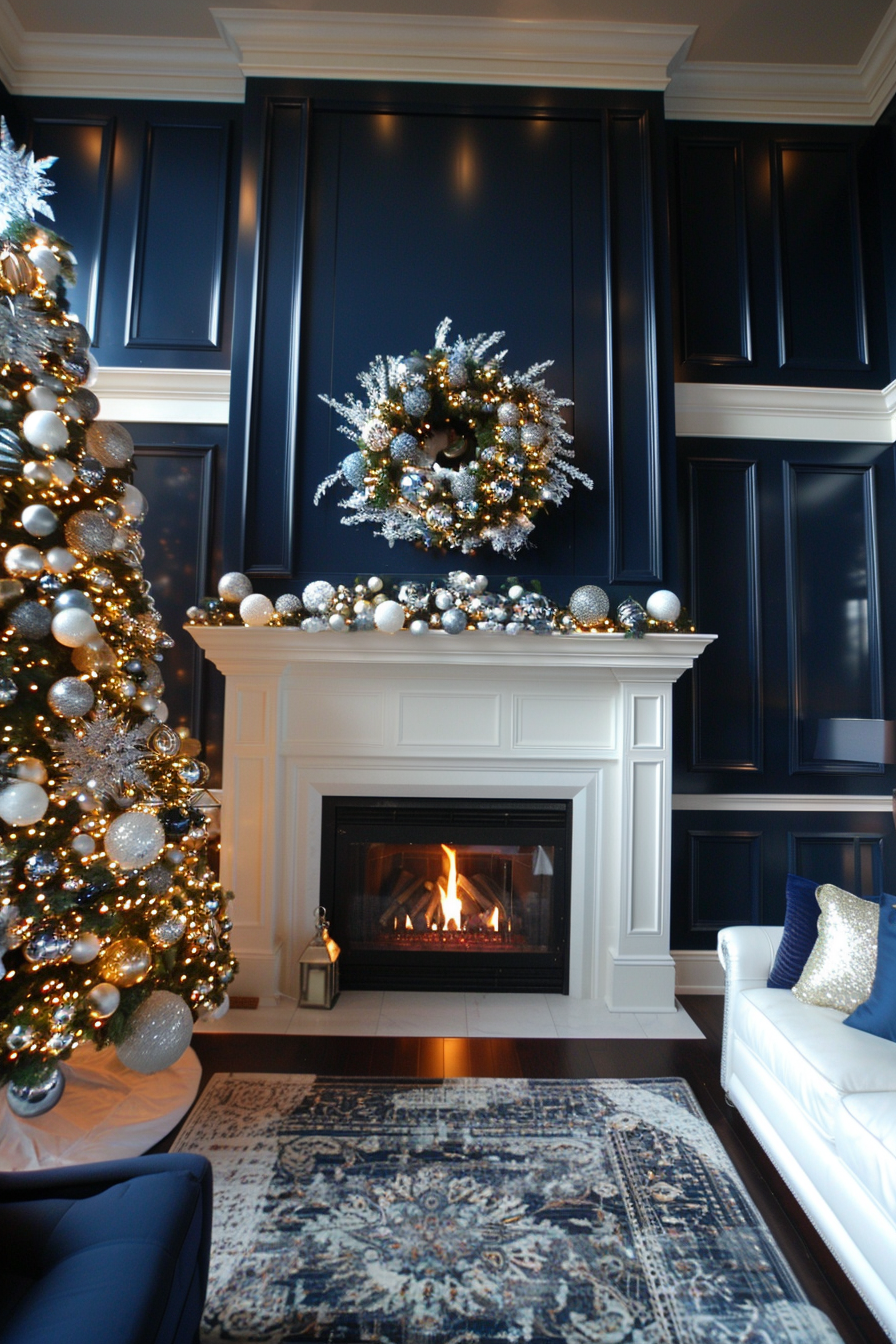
878,1013
800,932
840,969
812,1054
865,1139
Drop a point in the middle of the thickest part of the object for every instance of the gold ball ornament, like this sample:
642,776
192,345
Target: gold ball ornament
125,962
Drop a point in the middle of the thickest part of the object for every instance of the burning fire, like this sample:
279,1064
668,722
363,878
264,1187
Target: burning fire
493,919
450,902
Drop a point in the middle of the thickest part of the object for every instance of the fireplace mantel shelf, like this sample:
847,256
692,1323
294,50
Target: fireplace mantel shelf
240,649
586,718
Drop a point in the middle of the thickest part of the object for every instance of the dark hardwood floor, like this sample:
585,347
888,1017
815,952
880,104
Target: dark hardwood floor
696,1061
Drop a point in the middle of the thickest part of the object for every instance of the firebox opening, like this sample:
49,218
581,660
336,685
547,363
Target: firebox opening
448,894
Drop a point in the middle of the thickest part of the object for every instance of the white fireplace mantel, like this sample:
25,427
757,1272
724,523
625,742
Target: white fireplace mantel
582,717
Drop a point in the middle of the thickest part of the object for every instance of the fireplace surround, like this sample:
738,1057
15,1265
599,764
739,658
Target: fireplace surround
581,719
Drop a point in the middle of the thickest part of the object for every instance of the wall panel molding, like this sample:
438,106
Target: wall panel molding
781,802
725,876
165,396
762,411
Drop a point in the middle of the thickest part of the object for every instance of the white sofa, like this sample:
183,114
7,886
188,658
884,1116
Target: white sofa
821,1099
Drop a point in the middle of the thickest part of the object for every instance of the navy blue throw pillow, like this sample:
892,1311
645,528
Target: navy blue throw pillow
877,1015
800,932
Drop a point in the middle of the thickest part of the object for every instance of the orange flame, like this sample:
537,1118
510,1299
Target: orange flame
451,903
407,922
493,919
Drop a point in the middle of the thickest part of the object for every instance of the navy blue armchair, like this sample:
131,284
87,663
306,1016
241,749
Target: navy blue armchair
110,1253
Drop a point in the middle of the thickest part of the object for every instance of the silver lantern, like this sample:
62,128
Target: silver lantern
319,967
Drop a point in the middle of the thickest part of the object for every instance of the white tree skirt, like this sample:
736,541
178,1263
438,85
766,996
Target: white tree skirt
106,1111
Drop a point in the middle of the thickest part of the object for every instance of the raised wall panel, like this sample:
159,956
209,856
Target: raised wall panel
819,272
178,481
726,685
83,151
725,872
714,298
635,509
178,267
274,370
833,612
849,860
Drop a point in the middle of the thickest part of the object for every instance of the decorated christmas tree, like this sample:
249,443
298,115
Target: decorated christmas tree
113,927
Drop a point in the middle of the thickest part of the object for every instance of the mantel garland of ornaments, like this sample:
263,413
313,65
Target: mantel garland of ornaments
447,606
453,453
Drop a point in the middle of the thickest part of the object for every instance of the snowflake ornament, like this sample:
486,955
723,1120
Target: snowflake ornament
105,755
23,187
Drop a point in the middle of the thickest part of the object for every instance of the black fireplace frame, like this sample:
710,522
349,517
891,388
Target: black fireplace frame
509,820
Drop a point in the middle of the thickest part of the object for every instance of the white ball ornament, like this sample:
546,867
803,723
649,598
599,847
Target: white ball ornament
42,399
419,627
389,617
135,839
256,609
73,627
336,621
515,592
23,803
317,596
23,562
59,560
233,587
663,605
31,769
45,430
62,470
83,845
375,584
134,506
46,260
39,520
103,999
85,949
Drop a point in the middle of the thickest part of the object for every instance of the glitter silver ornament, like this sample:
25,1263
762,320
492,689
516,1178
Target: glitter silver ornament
41,866
70,698
89,532
28,1100
414,596
169,929
354,469
109,443
404,448
318,595
509,436
363,619
443,599
157,879
454,621
234,586
288,604
439,517
30,620
158,1033
508,413
632,615
488,454
589,604
256,609
463,484
467,508
90,472
532,436
135,839
416,402
314,625
39,520
457,373
502,489
663,605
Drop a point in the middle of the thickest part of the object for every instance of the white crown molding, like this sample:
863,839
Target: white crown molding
165,396
454,49
781,802
843,94
76,65
828,414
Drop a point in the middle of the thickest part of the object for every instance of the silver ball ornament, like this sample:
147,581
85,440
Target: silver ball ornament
337,621
45,430
85,949
354,469
135,839
158,1033
103,999
315,625
30,620
403,448
29,1100
318,595
663,605
59,560
419,627
46,260
23,803
417,402
256,609
89,532
134,504
374,584
70,698
589,605
443,600
288,604
233,587
413,485
109,443
73,627
23,562
454,621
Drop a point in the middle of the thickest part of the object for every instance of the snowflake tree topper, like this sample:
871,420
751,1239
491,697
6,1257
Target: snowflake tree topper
24,188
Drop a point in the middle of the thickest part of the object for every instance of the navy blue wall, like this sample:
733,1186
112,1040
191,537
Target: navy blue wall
630,252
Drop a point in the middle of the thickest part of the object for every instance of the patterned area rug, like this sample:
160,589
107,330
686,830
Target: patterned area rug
487,1210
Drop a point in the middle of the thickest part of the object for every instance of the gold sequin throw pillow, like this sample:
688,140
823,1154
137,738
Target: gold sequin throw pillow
840,969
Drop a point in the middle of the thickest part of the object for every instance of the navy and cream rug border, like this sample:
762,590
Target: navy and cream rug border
494,1211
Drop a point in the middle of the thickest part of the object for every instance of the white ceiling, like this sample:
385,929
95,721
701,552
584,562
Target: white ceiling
800,60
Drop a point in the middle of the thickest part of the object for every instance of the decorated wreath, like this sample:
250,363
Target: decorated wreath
452,452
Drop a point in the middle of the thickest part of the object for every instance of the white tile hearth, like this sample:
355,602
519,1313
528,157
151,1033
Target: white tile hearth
406,1013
